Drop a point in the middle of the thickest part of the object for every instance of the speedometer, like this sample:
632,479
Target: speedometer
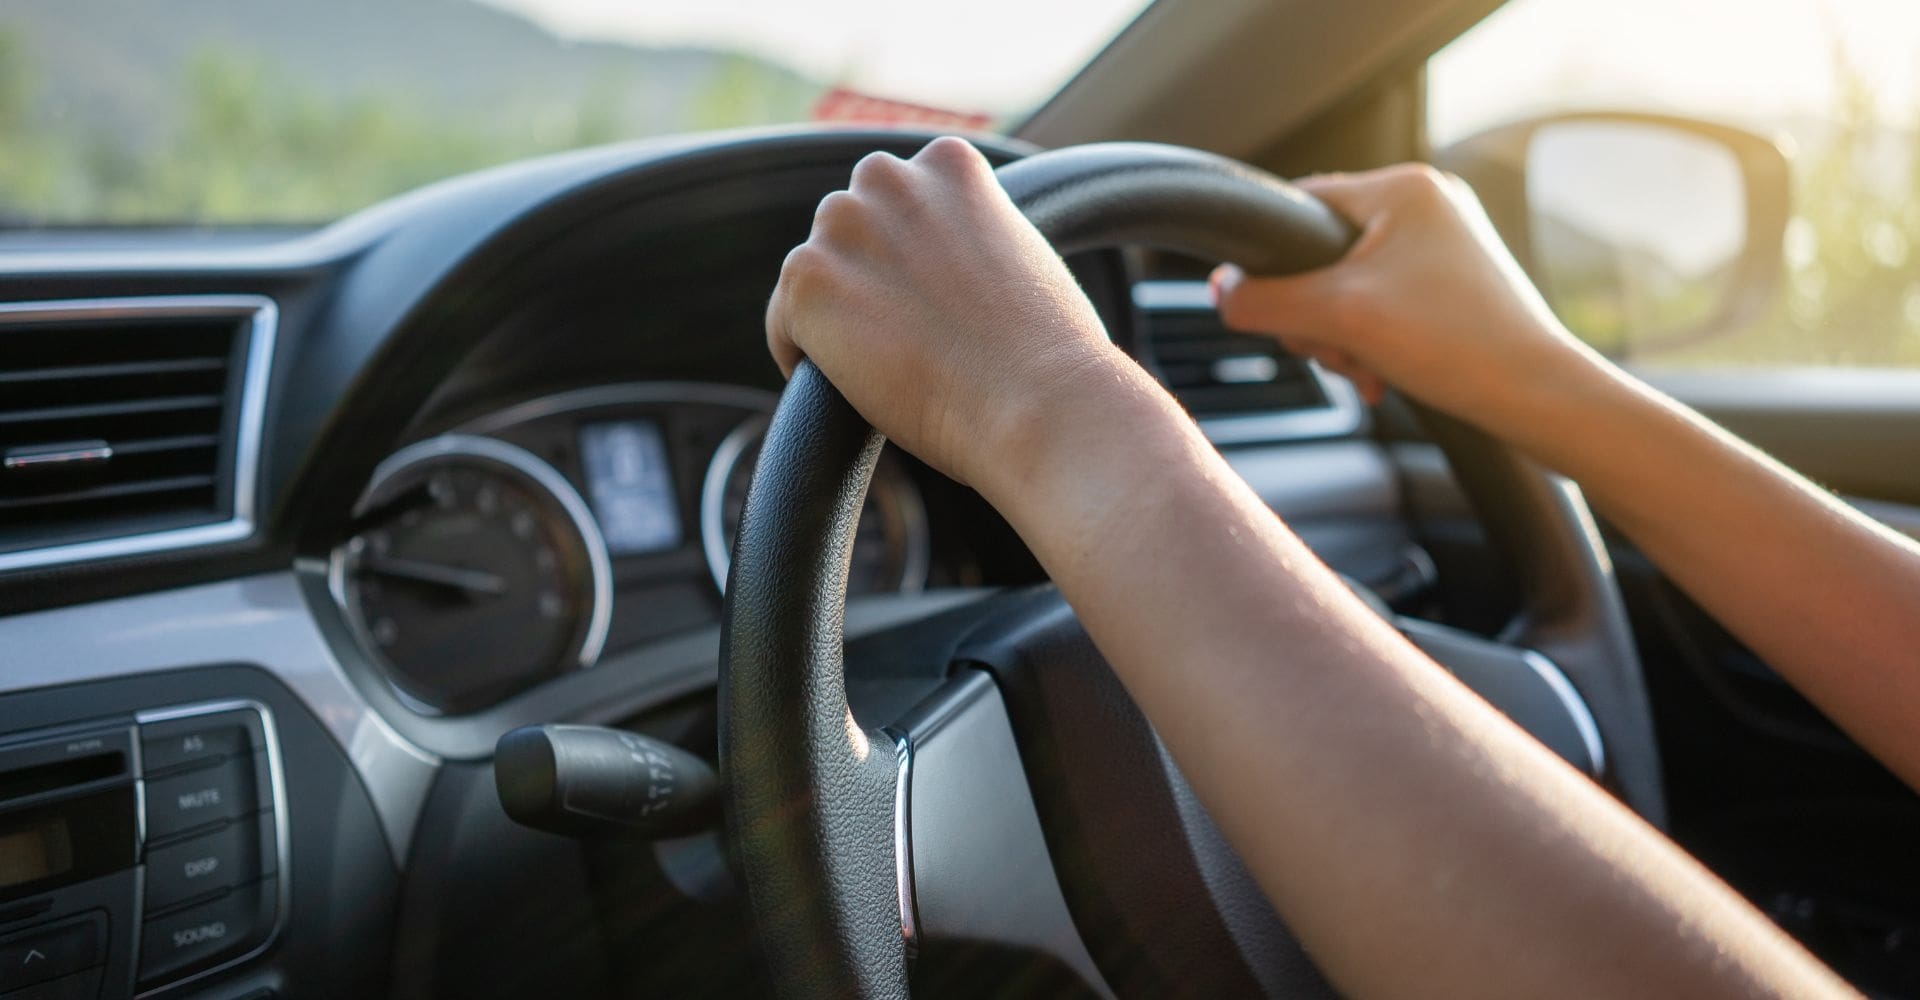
891,548
474,571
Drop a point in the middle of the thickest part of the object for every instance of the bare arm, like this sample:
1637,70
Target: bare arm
1419,843
1826,596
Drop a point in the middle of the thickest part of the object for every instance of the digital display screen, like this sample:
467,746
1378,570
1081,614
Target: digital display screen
39,851
630,486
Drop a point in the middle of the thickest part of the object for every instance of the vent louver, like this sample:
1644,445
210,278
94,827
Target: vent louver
1241,387
120,424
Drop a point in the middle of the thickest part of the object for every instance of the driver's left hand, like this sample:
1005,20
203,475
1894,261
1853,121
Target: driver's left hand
940,312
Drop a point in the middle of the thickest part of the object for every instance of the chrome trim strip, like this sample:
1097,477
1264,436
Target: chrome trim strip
277,777
713,497
524,462
1345,413
29,457
246,452
903,842
262,620
1576,706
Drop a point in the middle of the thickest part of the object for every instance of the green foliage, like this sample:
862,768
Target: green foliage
252,144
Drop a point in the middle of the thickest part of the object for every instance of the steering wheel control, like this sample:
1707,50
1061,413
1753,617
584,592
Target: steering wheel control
589,780
139,852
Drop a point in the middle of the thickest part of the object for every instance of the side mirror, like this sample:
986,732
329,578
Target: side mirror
1642,231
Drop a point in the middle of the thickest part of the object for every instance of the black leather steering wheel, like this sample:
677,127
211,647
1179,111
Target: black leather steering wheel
816,804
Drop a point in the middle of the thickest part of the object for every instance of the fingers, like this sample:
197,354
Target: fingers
1284,305
804,273
882,191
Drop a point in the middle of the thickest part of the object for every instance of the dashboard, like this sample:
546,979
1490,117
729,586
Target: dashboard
297,525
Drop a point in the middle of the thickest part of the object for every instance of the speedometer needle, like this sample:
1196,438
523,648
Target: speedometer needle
457,577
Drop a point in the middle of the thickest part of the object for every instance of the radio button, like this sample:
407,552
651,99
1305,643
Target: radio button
197,798
185,742
231,855
51,952
201,935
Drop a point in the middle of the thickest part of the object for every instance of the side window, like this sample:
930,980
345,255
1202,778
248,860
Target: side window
1834,82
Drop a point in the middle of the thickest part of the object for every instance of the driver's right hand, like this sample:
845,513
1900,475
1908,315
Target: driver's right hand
1428,301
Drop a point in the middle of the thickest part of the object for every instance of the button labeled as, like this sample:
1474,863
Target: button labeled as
198,798
229,856
164,748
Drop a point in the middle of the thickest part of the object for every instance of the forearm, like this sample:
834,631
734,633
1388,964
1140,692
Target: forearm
1419,843
1823,594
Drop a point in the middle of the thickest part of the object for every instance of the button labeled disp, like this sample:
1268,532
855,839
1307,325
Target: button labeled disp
232,855
197,798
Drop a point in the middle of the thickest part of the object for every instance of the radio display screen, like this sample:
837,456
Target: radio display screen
42,849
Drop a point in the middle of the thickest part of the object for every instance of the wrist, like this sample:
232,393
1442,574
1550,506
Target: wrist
1044,450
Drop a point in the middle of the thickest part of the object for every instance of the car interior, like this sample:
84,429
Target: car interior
383,612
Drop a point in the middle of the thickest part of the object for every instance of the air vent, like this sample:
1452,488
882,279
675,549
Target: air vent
1239,386
128,425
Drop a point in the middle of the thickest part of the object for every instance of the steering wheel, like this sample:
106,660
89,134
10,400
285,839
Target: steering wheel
857,840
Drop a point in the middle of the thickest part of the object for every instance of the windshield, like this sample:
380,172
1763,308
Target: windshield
300,111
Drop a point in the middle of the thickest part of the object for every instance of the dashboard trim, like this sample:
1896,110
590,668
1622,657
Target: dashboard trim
262,324
1556,681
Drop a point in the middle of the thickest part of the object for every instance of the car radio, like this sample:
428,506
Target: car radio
141,852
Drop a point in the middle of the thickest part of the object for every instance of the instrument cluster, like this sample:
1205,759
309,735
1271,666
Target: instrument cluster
531,542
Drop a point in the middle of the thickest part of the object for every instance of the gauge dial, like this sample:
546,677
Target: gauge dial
474,571
891,547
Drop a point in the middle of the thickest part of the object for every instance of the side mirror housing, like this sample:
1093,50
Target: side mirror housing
1642,230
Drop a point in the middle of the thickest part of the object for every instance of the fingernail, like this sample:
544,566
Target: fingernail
1222,281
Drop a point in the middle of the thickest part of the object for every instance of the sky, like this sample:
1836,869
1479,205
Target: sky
995,56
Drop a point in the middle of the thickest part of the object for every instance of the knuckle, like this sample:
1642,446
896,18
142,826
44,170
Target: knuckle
806,268
1420,182
952,153
879,170
839,212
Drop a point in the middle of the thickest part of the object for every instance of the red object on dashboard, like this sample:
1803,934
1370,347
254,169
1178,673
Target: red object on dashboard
840,104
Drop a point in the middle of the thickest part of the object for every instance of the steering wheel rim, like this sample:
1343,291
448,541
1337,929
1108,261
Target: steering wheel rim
812,797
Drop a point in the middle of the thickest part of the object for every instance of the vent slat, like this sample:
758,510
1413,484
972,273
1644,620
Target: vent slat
115,370
178,443
116,409
174,484
147,392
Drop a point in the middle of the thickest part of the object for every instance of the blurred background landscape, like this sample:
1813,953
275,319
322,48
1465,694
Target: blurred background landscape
250,111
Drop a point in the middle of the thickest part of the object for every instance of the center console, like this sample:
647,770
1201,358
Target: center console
191,834
142,852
